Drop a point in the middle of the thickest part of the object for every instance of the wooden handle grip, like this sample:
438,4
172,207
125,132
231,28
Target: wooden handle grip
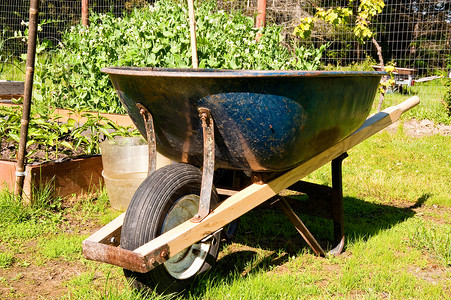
408,104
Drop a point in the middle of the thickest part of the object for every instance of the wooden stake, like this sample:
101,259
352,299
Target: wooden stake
85,12
28,90
261,14
192,27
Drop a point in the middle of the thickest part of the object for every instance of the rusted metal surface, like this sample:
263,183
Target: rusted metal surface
123,258
150,135
265,121
261,14
208,165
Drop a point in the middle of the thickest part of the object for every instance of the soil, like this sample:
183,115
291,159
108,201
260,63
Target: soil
415,128
30,278
37,153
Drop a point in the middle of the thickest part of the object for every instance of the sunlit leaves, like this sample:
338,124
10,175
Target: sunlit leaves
343,16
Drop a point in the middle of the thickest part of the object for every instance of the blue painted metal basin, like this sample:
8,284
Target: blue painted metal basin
264,120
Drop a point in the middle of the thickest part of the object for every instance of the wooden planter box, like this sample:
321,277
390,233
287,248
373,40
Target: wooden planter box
77,176
11,89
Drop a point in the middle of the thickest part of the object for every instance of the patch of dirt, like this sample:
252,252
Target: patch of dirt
436,214
37,281
33,277
36,153
415,128
434,274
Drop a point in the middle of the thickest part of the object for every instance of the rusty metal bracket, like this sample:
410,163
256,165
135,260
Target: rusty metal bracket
124,258
157,257
150,133
103,246
208,165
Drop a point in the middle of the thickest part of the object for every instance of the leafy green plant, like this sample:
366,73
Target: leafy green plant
47,134
158,36
344,18
5,57
6,260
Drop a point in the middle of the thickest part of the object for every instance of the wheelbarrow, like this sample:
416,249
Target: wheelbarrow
253,134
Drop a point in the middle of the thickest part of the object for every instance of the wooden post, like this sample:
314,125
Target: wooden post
261,13
85,12
28,90
192,27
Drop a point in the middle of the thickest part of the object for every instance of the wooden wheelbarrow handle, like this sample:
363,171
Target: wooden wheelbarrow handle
408,104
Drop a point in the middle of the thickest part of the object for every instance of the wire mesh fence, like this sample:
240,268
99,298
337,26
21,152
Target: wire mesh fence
412,33
56,16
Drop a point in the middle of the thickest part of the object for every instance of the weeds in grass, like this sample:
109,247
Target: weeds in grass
12,210
82,288
63,246
431,95
6,259
96,206
20,221
435,239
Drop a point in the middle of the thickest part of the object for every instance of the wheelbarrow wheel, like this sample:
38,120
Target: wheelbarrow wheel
168,197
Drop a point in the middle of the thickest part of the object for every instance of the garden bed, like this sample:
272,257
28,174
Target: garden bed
11,89
69,170
74,176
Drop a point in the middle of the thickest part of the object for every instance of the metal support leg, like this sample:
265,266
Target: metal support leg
324,202
337,204
208,165
150,132
300,227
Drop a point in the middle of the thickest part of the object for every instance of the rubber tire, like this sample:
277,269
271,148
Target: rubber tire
144,220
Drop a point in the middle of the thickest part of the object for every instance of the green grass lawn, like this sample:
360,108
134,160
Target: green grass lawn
431,94
397,221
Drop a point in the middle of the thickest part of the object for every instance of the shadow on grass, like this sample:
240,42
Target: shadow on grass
266,239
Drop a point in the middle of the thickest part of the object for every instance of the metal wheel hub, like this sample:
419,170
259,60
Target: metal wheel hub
190,260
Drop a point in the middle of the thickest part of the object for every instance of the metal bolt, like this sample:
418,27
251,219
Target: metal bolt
163,253
152,260
113,240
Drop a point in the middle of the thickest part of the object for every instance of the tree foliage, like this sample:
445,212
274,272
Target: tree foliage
344,16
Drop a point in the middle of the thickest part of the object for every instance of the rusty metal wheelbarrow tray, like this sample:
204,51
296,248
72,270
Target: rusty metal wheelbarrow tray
264,120
103,245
